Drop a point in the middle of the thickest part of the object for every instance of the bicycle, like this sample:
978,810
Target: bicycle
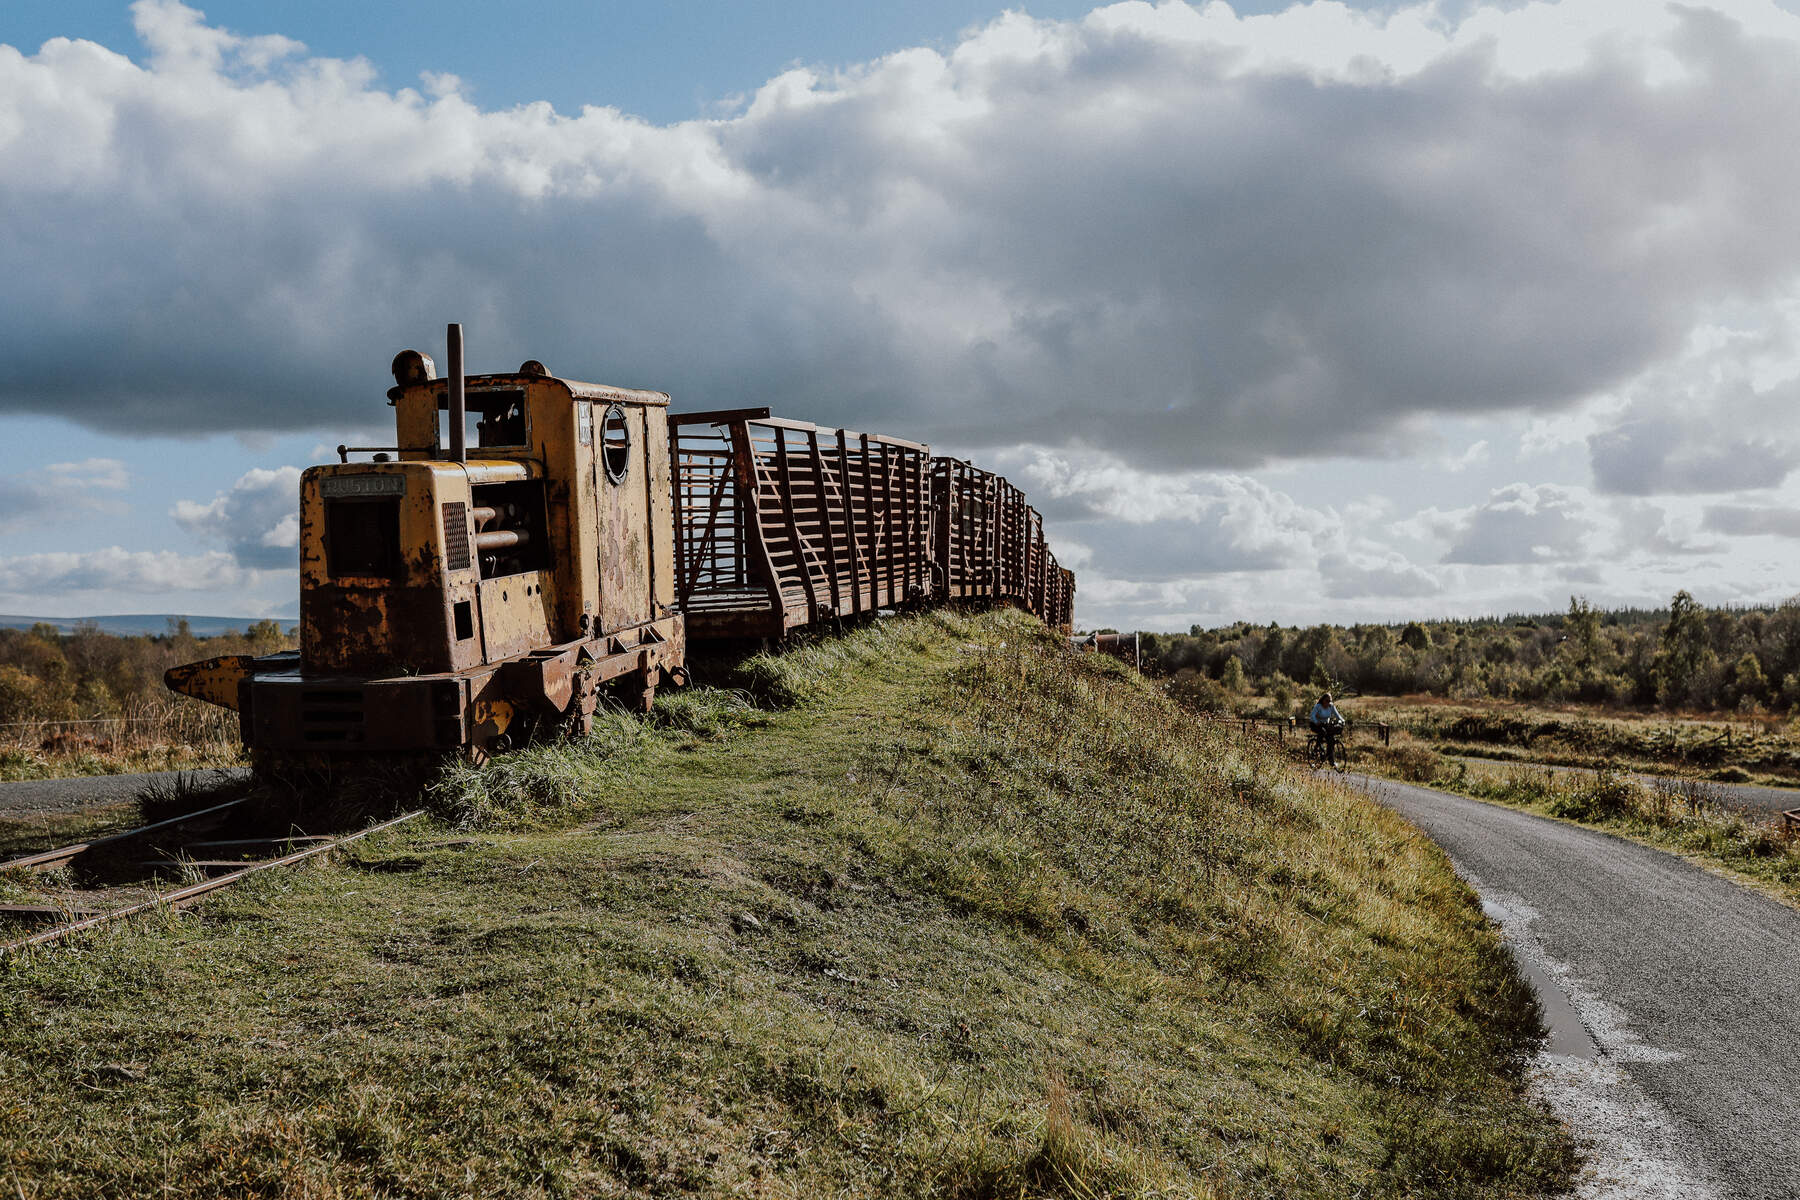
1328,752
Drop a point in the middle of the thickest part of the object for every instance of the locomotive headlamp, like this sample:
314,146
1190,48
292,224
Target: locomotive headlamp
410,367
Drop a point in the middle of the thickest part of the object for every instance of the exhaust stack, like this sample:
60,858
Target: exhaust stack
459,405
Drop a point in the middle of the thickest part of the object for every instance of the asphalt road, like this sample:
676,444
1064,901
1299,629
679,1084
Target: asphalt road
1688,983
32,797
1754,796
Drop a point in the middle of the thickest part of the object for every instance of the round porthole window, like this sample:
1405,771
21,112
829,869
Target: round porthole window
615,444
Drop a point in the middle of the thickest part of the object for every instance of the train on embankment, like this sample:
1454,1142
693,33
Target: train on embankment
457,598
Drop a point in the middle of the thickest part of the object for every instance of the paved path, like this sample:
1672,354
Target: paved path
1755,796
1690,984
33,797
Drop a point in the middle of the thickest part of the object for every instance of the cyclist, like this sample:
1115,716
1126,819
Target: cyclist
1327,724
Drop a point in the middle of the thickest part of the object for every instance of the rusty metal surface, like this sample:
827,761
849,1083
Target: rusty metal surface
291,712
457,405
1123,646
964,548
781,524
989,545
214,680
530,545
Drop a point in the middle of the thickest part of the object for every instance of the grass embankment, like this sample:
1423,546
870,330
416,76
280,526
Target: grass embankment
1687,816
973,918
1737,749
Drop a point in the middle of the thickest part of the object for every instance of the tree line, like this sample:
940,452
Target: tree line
1686,656
48,675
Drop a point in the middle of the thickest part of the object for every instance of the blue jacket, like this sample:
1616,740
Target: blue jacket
1326,714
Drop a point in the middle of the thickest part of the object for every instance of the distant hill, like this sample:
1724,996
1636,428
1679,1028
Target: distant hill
133,624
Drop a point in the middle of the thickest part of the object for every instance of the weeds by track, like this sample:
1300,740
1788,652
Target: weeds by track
90,883
184,896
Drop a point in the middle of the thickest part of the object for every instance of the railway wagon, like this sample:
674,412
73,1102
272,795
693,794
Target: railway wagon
463,599
963,501
989,544
1061,612
781,524
458,598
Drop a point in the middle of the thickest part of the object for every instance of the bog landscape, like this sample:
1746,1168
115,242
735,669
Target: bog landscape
972,601
947,905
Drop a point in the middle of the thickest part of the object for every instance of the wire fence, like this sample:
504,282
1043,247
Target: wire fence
1280,727
171,722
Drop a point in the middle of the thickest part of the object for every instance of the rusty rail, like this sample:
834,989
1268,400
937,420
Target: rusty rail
184,896
46,859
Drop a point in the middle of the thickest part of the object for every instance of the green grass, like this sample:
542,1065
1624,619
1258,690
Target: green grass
33,832
972,918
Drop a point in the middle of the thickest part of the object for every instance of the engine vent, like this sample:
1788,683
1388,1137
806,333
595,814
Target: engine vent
456,536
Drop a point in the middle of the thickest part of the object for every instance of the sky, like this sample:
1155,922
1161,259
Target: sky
1323,312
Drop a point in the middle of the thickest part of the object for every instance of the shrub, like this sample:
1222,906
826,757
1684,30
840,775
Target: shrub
1600,797
1415,764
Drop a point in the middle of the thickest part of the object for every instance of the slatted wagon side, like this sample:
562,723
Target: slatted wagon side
1060,614
1020,537
781,524
964,536
1009,542
1042,563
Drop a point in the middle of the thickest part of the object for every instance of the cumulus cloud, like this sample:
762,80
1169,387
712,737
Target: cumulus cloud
1382,574
1741,520
1656,531
1714,418
1520,523
257,519
1693,446
1147,526
61,490
116,570
1475,454
1172,232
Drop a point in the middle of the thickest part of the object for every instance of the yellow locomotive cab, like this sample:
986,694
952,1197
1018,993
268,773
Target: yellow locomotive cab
458,596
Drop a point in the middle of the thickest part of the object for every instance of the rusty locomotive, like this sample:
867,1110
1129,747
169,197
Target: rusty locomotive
458,597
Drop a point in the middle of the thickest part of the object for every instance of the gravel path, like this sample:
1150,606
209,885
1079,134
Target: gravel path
34,797
1688,984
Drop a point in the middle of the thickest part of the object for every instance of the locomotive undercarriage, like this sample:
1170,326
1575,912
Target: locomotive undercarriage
285,712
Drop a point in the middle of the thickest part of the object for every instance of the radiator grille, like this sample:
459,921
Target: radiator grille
456,536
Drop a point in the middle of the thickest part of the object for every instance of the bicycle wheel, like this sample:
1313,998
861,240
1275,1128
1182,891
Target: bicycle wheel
1339,755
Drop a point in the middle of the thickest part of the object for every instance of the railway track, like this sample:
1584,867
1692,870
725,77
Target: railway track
114,888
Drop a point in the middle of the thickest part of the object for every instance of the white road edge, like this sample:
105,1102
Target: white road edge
1632,1149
